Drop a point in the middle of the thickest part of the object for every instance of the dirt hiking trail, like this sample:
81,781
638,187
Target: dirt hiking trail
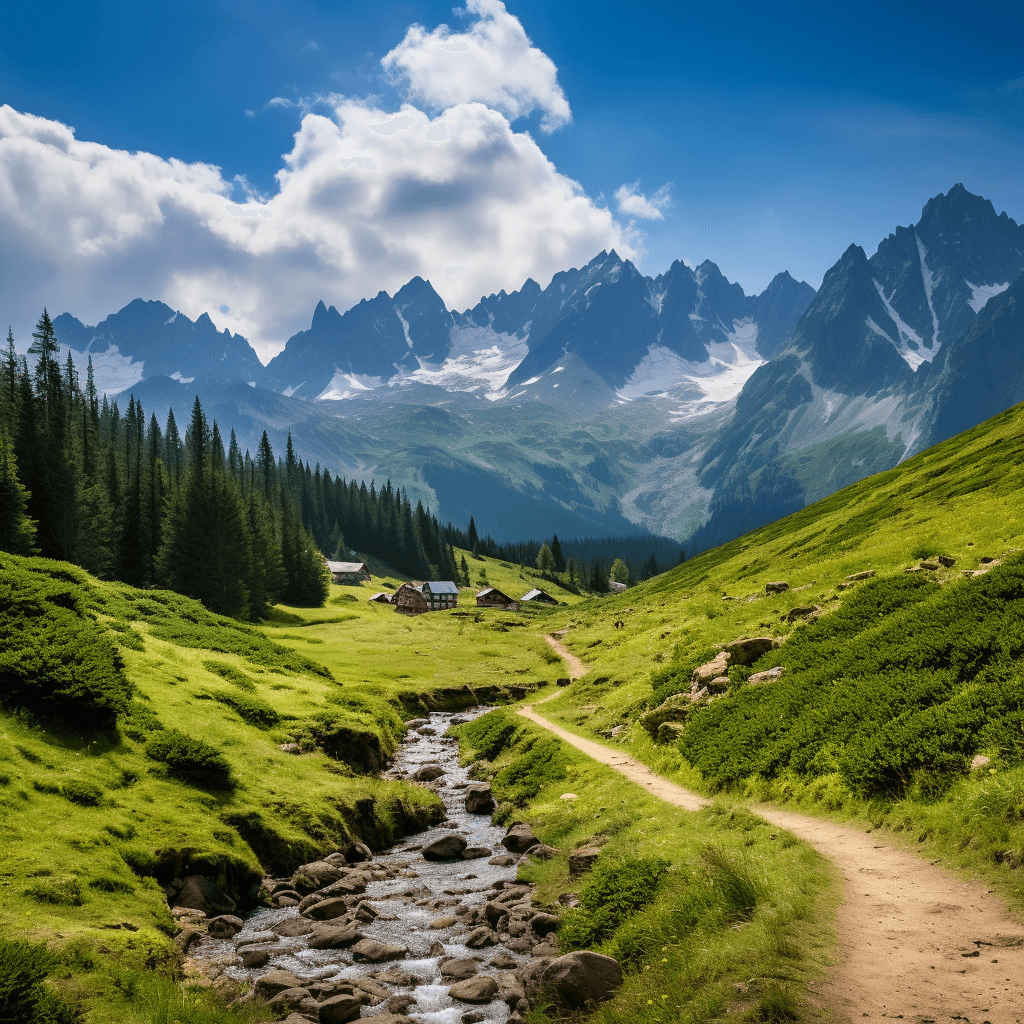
915,942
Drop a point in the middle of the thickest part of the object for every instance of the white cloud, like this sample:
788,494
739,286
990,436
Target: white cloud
493,63
633,203
366,199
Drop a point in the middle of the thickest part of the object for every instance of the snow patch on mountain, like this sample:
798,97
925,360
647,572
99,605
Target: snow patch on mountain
112,372
981,293
929,287
720,378
347,385
480,359
405,325
178,377
911,346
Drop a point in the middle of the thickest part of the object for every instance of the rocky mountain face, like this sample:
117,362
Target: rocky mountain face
147,339
610,400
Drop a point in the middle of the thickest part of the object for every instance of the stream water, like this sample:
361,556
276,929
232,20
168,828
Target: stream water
423,892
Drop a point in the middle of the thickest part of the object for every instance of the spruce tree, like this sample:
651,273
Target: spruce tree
17,530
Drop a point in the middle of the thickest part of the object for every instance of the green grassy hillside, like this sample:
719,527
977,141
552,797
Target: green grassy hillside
892,685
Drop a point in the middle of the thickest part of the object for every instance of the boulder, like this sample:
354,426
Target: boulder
368,951
480,937
719,684
292,926
748,650
337,859
459,970
428,773
315,875
227,926
479,798
340,1009
519,838
481,989
674,709
358,853
776,588
802,612
544,924
503,860
326,910
445,848
583,860
268,985
414,723
187,938
254,957
199,893
476,852
330,936
670,732
768,676
289,999
576,979
716,667
541,852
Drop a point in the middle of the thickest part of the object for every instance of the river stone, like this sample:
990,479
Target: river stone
400,1003
442,922
414,723
476,852
519,838
268,985
289,998
544,924
389,1018
583,860
459,970
328,936
340,1009
400,979
199,893
578,978
481,989
188,937
541,852
425,730
292,926
227,926
503,962
748,650
445,848
252,959
504,860
479,798
480,937
428,773
368,951
326,910
315,875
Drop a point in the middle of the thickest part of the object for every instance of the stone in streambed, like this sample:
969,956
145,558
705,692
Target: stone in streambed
519,838
578,978
227,926
476,852
480,937
292,926
340,1009
428,773
479,798
459,970
481,989
252,959
327,936
445,848
368,951
268,985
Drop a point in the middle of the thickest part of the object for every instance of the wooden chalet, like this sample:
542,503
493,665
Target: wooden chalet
538,597
419,597
348,572
491,597
382,598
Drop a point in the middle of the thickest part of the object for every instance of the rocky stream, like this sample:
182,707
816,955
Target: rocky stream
436,930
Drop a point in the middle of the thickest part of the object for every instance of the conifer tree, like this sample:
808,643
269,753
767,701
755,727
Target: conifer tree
17,530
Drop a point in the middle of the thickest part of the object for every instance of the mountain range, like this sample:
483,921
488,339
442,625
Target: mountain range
610,401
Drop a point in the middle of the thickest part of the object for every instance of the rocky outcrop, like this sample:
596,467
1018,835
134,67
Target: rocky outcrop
576,979
445,848
519,838
748,650
776,588
479,798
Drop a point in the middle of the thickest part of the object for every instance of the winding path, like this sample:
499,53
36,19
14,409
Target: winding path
915,942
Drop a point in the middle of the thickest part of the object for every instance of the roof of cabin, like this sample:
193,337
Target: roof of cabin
346,566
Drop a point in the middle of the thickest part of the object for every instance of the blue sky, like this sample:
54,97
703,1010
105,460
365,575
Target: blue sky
760,136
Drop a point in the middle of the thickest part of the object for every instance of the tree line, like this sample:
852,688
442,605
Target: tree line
130,500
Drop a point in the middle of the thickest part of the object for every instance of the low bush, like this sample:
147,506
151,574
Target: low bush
250,708
24,996
61,891
190,759
542,762
488,735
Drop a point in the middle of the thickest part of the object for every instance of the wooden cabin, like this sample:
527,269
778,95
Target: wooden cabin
491,597
351,573
419,597
538,597
383,598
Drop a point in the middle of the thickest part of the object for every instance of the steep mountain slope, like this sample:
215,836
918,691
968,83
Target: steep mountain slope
146,339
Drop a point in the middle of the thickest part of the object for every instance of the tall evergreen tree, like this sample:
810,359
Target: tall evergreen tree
17,530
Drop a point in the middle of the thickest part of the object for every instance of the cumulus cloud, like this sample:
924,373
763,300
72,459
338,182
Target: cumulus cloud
633,203
493,63
366,199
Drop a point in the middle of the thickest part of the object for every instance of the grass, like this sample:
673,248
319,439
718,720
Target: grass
692,904
960,649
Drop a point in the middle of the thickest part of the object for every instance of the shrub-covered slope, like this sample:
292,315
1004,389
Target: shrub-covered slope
892,685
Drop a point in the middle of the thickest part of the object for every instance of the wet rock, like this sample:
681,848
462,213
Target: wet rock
476,852
519,838
459,970
315,875
776,588
268,985
481,989
478,938
368,951
428,773
326,910
473,1017
327,936
543,923
400,1003
199,893
292,926
374,990
442,922
188,938
425,730
358,853
479,798
748,650
578,978
289,999
504,860
389,1018
445,848
400,979
254,958
340,1009
415,723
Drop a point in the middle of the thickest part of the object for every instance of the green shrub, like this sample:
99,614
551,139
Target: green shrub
253,710
24,997
231,674
489,734
78,791
55,661
612,894
190,759
542,762
62,891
